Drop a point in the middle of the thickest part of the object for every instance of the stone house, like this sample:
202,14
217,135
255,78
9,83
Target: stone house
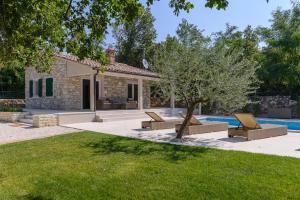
70,85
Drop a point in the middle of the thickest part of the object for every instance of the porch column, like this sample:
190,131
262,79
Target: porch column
92,86
200,109
140,94
172,101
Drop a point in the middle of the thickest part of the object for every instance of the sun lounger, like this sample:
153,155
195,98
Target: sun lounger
197,127
250,129
157,123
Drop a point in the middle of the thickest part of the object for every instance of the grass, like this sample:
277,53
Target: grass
90,166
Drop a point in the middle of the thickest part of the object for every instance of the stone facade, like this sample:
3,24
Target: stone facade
67,91
116,86
147,94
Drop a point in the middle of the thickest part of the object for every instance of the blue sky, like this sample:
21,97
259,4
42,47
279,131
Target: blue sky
239,13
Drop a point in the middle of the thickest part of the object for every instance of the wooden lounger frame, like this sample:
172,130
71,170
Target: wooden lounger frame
157,122
195,126
254,132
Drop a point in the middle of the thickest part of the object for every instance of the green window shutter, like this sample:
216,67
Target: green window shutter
31,88
40,87
49,87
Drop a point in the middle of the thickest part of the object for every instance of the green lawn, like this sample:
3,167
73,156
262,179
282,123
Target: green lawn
91,166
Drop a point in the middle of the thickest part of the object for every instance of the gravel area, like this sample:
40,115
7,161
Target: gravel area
14,132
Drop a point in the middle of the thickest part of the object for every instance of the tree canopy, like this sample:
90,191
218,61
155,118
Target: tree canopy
280,71
32,31
246,41
135,38
197,71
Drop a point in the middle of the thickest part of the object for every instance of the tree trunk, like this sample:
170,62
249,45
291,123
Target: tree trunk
187,118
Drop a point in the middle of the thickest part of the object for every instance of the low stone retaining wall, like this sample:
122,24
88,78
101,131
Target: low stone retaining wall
76,117
20,103
62,118
11,116
44,120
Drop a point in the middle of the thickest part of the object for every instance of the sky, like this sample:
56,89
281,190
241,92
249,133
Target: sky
239,13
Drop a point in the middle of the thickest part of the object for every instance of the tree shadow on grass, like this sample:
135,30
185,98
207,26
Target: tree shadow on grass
35,197
135,147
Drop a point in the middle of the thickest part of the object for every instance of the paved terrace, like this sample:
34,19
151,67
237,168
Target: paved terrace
15,132
288,145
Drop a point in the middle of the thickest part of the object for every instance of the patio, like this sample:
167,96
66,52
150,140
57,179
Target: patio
16,132
288,145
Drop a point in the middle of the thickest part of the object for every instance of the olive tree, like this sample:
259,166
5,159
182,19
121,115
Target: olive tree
197,71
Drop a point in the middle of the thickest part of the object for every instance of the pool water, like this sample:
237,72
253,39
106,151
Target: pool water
292,125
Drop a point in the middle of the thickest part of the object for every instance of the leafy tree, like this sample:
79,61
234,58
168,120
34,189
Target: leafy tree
12,78
135,38
246,41
198,71
32,31
280,71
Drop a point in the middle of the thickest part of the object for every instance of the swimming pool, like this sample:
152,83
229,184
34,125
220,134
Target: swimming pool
292,125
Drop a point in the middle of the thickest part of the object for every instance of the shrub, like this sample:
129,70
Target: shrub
10,109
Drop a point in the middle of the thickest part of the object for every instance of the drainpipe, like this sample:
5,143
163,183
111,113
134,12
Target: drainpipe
95,88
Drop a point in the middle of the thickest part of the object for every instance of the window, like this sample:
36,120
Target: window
31,88
135,92
40,87
49,87
132,91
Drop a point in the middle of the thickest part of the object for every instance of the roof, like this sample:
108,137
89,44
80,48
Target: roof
112,67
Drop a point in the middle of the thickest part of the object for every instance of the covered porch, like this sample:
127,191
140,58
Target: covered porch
115,88
115,91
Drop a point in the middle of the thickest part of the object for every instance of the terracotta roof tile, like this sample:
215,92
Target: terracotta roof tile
113,67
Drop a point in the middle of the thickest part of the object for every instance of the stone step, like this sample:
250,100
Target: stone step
29,116
138,112
26,121
119,115
121,118
112,115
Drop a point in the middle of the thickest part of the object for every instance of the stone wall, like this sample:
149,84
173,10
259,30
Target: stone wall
66,90
118,87
44,120
273,106
57,72
20,103
11,116
72,93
